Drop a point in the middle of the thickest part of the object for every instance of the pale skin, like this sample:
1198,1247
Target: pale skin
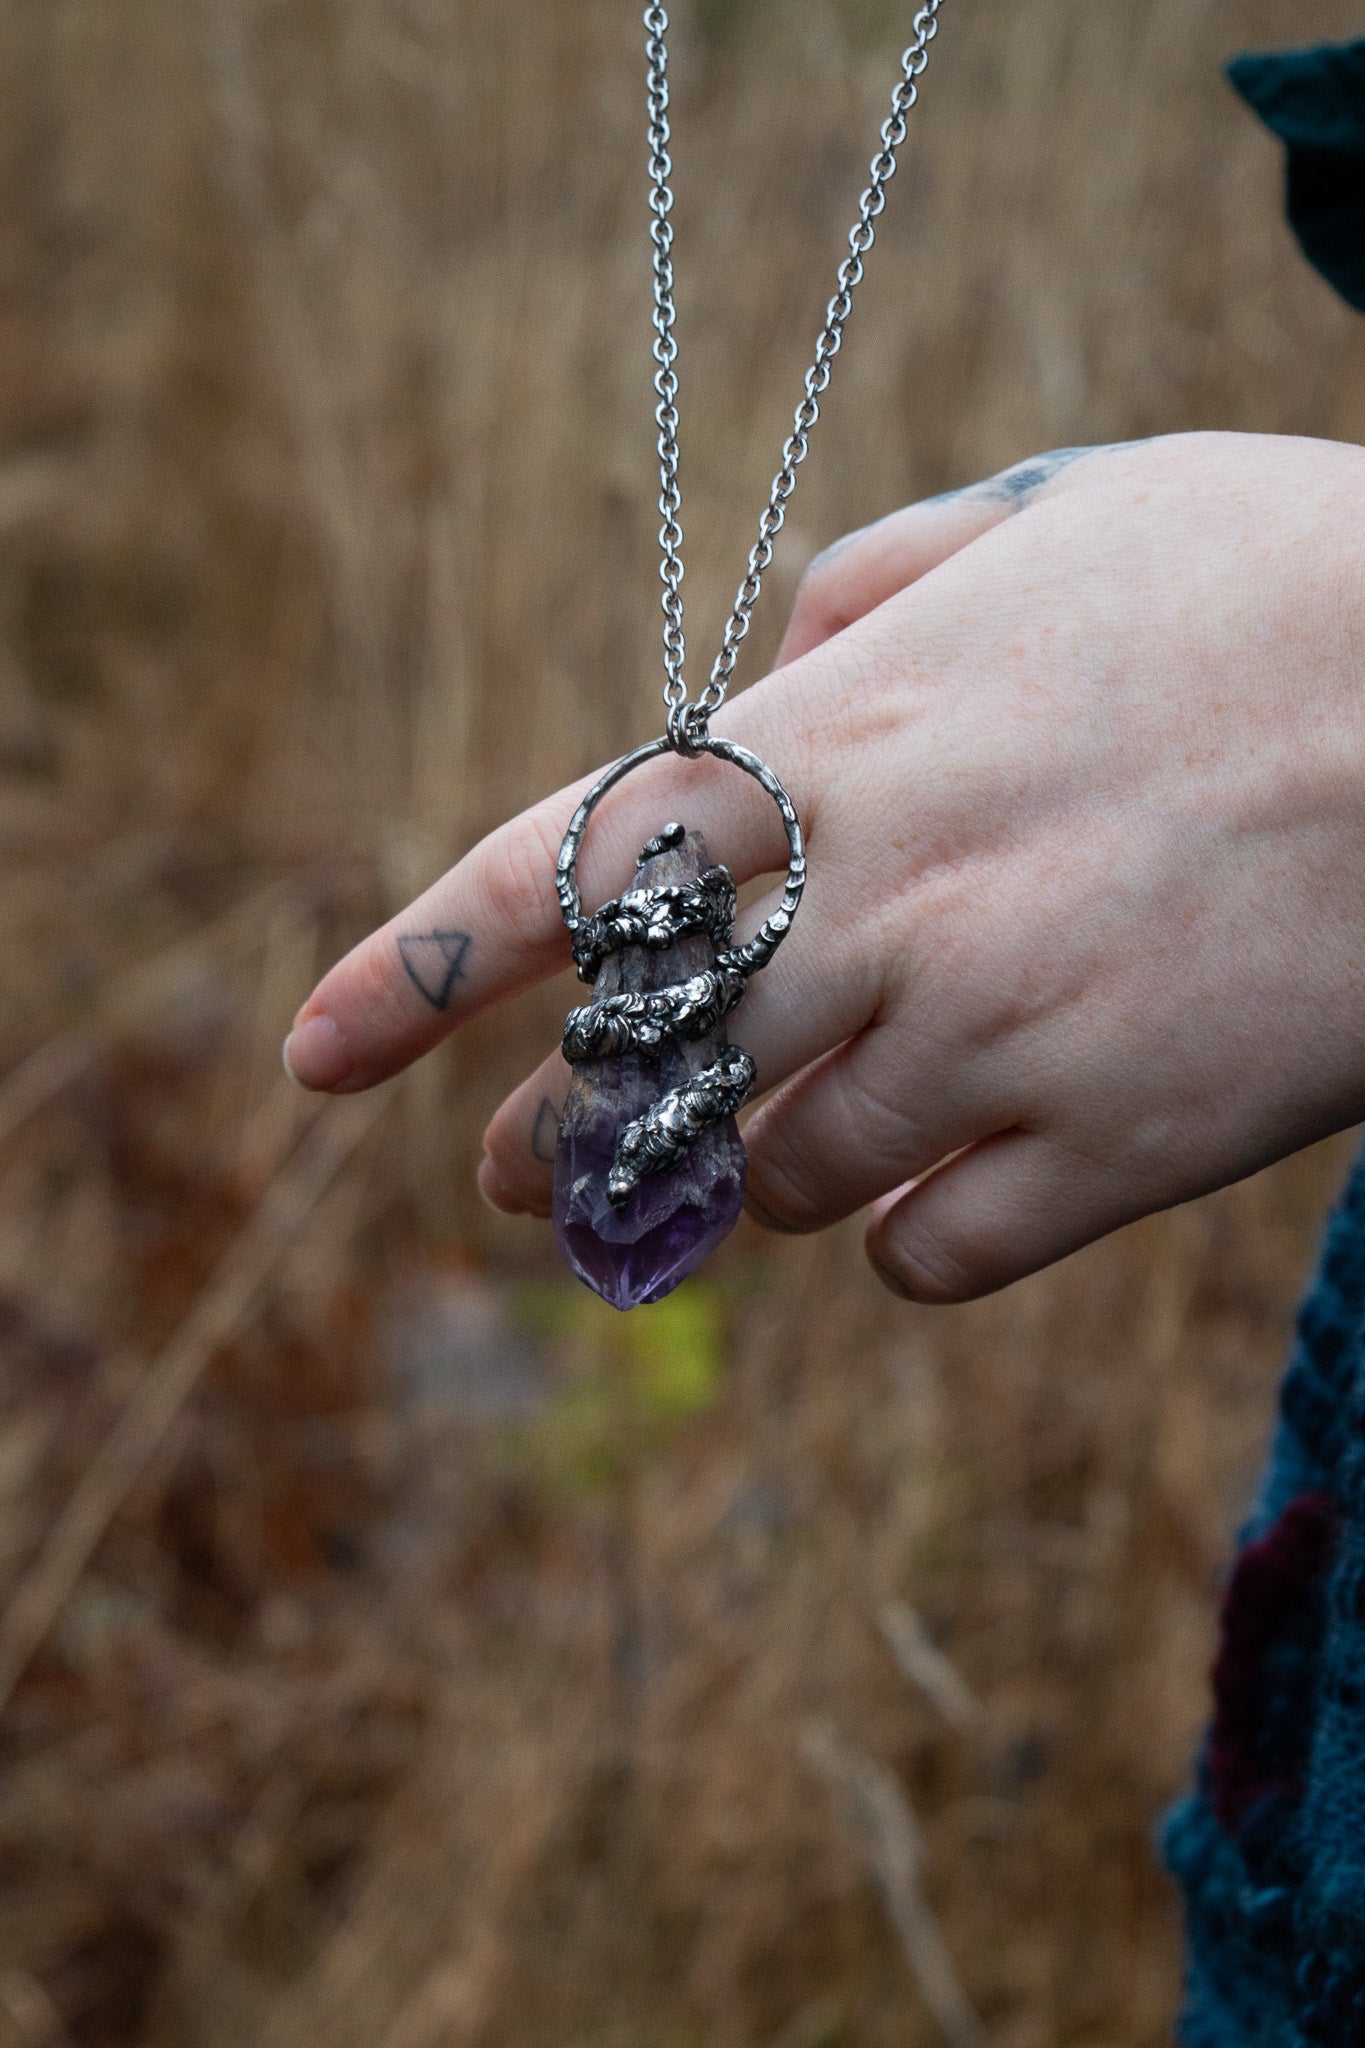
1080,753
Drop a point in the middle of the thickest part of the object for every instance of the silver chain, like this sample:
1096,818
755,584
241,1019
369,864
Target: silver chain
687,722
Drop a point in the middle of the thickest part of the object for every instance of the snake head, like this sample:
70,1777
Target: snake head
627,1168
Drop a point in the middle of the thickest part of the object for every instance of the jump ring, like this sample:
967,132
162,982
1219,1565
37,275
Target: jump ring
774,929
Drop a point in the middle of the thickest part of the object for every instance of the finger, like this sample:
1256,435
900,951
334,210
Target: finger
492,925
852,1126
819,988
860,572
1005,1209
517,1171
864,569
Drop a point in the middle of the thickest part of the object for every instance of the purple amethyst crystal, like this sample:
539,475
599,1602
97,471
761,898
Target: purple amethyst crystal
640,1252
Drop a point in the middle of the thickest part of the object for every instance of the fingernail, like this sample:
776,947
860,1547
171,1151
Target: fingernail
315,1054
493,1191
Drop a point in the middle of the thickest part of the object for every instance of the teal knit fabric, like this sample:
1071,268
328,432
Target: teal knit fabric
1314,100
1270,1845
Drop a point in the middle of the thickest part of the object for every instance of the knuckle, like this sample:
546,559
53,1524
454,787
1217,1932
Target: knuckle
870,1113
779,1193
925,1268
831,1141
817,607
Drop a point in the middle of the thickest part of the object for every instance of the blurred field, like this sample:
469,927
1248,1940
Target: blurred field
397,1652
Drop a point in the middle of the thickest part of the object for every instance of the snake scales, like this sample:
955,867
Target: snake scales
643,1021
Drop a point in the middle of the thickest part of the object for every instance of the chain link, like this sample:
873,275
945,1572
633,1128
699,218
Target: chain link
687,723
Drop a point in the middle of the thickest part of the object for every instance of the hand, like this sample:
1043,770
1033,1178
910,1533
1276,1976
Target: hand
1080,753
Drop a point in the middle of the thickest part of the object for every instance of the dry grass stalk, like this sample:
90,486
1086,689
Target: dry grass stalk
924,1664
163,1387
893,1846
59,1062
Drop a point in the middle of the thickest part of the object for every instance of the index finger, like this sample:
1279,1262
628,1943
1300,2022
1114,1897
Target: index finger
492,925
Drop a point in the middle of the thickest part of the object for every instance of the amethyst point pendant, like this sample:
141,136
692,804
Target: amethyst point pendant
634,1237
650,1169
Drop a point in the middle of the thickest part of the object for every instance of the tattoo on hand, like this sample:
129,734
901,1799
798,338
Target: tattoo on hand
1015,488
434,963
545,1133
1019,486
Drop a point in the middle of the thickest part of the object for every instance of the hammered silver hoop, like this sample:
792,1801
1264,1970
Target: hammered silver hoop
770,934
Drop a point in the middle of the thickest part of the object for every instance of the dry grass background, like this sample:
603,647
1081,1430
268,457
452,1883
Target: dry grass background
397,1652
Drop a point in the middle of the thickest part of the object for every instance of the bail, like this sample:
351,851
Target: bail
687,729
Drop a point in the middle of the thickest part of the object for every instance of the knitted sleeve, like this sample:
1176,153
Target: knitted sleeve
1269,1846
1314,100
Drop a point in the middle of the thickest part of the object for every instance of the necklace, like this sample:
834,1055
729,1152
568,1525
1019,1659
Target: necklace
649,1173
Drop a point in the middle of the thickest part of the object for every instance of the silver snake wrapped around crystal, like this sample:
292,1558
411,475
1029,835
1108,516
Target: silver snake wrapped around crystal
654,918
637,1022
660,1139
643,1022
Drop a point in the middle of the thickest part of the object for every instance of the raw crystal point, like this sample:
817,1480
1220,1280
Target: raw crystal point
672,1220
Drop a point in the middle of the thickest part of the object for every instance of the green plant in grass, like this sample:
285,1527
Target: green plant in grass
630,1382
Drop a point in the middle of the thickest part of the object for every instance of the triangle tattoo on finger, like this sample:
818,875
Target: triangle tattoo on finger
435,962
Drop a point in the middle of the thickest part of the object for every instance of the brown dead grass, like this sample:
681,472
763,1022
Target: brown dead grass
396,1654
